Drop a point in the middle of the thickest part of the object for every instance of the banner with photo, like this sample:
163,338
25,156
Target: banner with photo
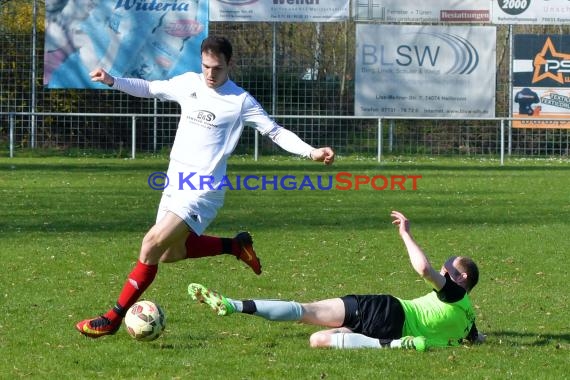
433,11
425,71
149,40
541,81
542,12
279,10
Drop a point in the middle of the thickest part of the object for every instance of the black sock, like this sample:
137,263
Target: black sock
227,245
119,310
249,307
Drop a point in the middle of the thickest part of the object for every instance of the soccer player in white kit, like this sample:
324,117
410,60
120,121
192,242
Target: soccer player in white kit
213,113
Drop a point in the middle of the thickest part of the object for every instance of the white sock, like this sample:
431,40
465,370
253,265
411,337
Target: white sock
273,310
279,310
353,340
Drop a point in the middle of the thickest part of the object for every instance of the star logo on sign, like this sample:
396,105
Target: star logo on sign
541,62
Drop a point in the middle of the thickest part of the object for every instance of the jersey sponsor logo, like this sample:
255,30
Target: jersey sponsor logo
204,115
203,118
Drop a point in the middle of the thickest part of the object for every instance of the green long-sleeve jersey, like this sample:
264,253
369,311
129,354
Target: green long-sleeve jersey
444,318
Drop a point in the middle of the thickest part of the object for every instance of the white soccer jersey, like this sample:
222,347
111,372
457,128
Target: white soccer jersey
210,125
211,120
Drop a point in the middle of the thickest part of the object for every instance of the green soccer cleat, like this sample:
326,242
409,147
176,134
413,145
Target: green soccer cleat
216,301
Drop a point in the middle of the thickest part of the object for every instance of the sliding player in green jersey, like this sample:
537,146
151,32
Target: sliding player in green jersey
443,317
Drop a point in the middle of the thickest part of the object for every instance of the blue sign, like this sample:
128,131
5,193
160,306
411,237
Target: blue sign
127,38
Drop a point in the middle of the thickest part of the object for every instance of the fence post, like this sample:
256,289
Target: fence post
256,146
391,136
34,68
502,141
154,137
155,126
11,118
379,139
510,140
134,136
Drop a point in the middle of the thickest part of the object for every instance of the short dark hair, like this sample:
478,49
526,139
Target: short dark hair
467,265
217,45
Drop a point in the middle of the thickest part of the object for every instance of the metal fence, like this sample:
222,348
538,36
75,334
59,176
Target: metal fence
382,137
277,63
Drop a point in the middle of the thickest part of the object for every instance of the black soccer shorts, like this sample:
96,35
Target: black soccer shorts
379,316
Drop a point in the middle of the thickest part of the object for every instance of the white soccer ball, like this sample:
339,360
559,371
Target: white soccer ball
145,321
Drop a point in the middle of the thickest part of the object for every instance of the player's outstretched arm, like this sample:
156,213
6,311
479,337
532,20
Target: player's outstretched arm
418,258
285,138
132,86
325,155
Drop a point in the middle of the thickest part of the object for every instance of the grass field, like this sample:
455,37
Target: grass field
70,230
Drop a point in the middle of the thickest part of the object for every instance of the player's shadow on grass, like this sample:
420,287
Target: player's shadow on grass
517,338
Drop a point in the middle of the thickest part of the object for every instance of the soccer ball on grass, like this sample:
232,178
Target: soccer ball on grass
145,321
